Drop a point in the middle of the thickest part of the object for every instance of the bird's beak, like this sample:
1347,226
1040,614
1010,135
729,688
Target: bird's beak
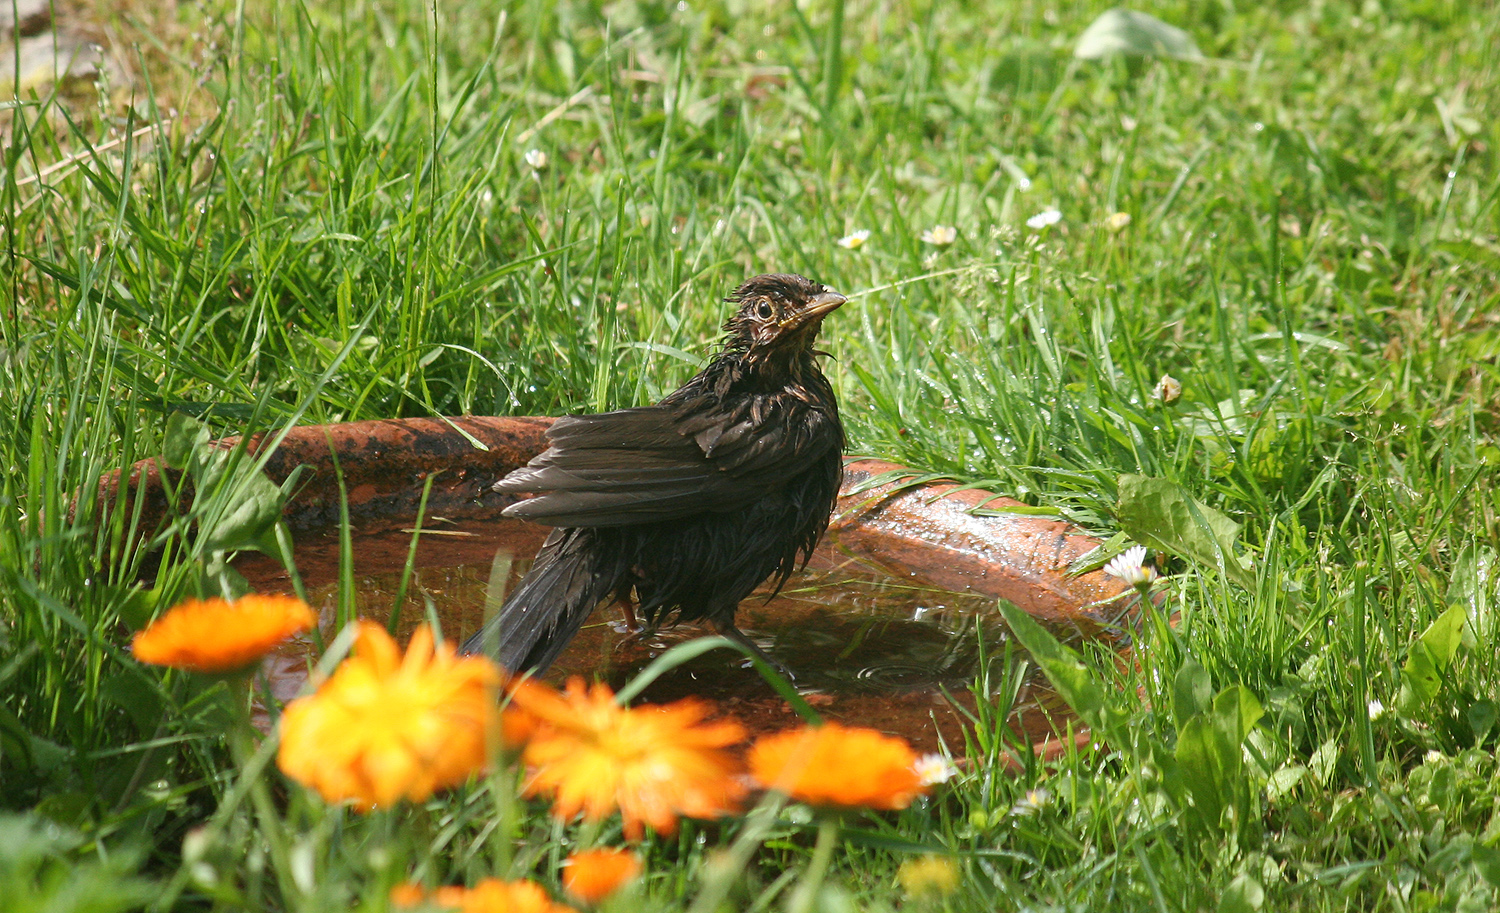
818,306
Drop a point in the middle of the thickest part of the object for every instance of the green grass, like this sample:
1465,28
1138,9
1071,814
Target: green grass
324,214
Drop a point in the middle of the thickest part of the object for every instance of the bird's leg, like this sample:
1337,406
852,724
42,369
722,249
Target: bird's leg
627,609
727,629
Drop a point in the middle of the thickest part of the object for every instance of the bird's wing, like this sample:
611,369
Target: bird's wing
656,463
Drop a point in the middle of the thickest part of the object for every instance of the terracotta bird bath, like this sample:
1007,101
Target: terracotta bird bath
880,629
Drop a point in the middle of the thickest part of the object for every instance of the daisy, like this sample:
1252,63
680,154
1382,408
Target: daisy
940,235
854,240
1130,567
1043,219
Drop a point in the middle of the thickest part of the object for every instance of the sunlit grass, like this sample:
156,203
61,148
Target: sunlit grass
327,214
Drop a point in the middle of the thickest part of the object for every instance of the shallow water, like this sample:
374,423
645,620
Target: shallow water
867,647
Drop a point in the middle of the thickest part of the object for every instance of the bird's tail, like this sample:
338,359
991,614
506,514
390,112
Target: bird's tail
548,606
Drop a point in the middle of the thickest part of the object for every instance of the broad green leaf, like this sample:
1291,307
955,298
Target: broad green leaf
1064,669
1202,758
183,439
1161,514
1481,717
251,522
1428,660
1444,636
1283,781
1471,586
1236,711
1486,863
1122,31
1244,895
1324,761
1210,754
24,751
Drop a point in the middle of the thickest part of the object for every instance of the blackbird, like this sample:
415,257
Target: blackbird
688,504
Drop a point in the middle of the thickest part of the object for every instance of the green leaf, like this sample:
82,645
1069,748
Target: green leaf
1202,759
1236,711
184,438
1429,658
1470,586
1244,895
138,696
1324,761
251,520
24,751
1161,514
1122,31
1481,717
1283,781
1210,754
1486,863
1064,669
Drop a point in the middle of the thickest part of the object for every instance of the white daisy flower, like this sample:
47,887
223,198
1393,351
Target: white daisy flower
1043,219
1130,567
934,768
941,235
1034,801
854,240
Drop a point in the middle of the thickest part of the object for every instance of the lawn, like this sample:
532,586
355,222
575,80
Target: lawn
280,214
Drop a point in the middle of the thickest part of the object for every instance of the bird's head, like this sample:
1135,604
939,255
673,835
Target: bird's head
779,312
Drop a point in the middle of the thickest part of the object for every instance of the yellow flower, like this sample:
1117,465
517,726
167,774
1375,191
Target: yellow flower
385,726
928,876
213,635
653,763
489,896
1117,221
834,765
593,875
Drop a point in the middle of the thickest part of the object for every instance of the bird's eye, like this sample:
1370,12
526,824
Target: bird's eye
764,311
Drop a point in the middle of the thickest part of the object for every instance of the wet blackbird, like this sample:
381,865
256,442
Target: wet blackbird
688,504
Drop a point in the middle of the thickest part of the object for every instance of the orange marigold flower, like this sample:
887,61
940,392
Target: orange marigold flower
214,635
593,875
407,894
838,766
386,726
654,763
491,895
